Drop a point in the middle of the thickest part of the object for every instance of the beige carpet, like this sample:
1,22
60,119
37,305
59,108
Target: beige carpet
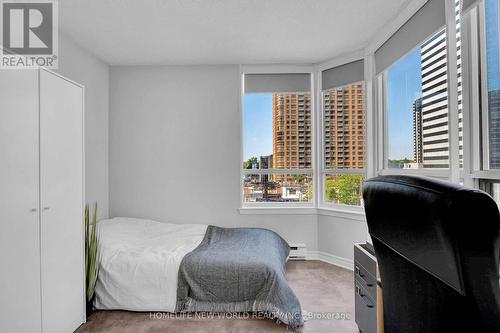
325,292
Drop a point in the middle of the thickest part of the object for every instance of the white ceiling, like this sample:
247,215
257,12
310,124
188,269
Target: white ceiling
154,32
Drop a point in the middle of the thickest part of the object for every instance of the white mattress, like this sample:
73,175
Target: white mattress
140,263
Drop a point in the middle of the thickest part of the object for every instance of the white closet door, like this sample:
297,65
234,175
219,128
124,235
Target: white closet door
61,198
19,214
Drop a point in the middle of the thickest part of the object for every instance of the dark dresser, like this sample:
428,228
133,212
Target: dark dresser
368,294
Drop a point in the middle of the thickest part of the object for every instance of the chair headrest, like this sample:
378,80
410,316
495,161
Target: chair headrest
430,222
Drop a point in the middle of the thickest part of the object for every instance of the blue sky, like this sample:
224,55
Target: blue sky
404,86
492,42
257,125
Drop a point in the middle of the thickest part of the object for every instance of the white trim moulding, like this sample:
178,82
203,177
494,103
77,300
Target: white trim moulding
277,210
331,259
348,214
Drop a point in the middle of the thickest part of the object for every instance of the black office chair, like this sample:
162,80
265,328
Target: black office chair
437,246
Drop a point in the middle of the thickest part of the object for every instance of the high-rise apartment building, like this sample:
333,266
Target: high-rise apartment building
435,122
417,131
494,127
435,134
292,145
265,162
345,125
459,87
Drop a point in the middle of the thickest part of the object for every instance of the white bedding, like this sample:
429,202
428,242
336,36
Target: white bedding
140,263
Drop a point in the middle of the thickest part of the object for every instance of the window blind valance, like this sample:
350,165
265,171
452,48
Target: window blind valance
270,83
468,4
427,20
342,75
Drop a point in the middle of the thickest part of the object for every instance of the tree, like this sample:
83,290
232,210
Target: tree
250,162
299,178
309,194
344,189
399,163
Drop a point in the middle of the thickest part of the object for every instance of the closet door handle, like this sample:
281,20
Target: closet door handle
32,210
46,208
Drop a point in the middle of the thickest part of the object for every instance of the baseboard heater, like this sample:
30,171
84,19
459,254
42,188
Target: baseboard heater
298,251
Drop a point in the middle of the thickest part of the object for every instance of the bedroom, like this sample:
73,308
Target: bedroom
190,114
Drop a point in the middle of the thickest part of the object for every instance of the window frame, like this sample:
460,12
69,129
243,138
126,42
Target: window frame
475,129
480,164
474,107
323,171
484,164
383,158
484,168
452,173
245,207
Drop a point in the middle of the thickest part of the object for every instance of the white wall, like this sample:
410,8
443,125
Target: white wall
174,149
177,123
80,66
174,143
336,235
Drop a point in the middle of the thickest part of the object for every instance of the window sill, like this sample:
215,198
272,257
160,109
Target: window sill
357,215
277,211
350,214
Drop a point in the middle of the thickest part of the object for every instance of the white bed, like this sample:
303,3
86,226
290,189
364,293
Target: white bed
140,263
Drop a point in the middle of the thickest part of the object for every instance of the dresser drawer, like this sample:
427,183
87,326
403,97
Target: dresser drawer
366,310
366,280
365,258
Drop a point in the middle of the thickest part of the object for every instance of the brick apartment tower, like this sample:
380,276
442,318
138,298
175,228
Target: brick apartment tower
292,146
345,124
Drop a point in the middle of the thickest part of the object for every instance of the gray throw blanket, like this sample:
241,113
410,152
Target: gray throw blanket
238,270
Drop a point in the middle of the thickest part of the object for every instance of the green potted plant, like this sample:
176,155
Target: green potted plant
92,256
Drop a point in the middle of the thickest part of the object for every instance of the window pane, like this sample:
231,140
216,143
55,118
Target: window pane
344,111
277,129
493,79
491,187
417,107
277,188
344,189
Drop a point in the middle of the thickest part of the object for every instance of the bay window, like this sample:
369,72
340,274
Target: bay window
429,98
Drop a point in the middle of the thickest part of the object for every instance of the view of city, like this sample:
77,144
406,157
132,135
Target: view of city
278,136
417,106
277,126
344,142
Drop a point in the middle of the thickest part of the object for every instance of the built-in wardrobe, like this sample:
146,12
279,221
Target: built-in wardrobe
41,196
